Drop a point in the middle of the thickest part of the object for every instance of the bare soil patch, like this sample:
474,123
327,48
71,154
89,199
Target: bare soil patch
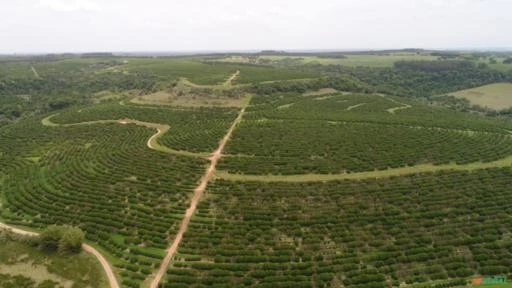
321,92
187,100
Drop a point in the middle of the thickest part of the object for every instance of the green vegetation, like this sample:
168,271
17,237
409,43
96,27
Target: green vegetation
172,68
377,174
23,264
296,134
191,129
349,60
62,238
344,59
441,227
345,170
103,179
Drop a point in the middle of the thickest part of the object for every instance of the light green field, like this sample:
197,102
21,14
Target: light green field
495,96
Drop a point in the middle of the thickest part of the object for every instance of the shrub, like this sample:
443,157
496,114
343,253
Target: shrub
65,239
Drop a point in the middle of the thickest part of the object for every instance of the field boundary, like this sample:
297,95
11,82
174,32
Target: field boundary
231,78
35,72
87,248
422,168
152,142
392,110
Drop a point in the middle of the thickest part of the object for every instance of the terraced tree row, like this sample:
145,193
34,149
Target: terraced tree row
438,229
340,133
103,178
321,147
194,130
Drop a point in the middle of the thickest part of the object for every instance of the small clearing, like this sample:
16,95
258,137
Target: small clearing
321,92
496,96
188,100
106,95
87,248
37,272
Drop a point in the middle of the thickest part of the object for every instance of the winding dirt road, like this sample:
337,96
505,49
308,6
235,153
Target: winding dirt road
87,248
198,193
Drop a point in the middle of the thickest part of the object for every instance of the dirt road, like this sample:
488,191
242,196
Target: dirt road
230,80
108,270
198,193
35,72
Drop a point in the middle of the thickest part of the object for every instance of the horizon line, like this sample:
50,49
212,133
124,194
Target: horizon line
249,51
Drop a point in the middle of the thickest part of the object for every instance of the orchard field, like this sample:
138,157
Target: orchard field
318,176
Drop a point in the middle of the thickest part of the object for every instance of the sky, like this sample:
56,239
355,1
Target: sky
56,26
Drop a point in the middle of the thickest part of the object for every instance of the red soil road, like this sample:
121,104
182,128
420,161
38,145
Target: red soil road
198,193
104,263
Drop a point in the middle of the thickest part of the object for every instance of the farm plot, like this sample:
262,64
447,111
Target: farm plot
174,68
378,109
88,176
496,96
257,74
194,130
321,147
212,73
435,229
102,177
336,133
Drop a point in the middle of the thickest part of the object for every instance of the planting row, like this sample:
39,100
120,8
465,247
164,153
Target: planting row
312,146
195,130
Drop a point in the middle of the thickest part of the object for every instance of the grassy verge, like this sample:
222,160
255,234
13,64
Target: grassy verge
423,168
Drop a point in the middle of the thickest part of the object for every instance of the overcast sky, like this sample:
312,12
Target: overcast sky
41,26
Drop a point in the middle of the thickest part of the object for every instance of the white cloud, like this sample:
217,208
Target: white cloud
71,5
